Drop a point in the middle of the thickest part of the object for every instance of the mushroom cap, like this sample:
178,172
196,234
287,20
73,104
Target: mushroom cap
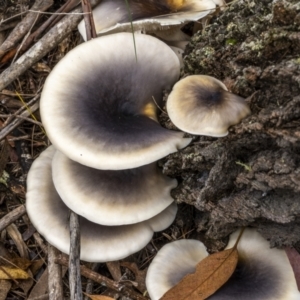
97,104
261,273
172,262
112,16
99,243
200,104
112,197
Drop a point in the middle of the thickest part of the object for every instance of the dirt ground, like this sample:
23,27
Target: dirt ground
249,178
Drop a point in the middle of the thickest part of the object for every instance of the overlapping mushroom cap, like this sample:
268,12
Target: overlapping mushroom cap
97,104
261,274
112,197
200,104
150,16
99,243
171,264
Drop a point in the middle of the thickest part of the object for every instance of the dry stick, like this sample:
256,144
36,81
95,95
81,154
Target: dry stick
74,259
104,281
55,285
49,41
12,217
9,128
90,282
22,28
23,107
55,18
88,20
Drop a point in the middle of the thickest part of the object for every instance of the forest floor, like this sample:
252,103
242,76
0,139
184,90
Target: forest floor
249,178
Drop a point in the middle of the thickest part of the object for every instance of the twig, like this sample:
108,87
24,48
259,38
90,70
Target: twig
49,41
12,217
23,107
74,259
88,20
24,39
22,28
63,260
55,286
9,128
90,282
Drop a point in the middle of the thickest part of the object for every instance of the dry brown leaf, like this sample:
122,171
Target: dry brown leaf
5,286
22,263
36,265
211,273
99,297
7,272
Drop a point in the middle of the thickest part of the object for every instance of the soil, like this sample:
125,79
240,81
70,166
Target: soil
252,176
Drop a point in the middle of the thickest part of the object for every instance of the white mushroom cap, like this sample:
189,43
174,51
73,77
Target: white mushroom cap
112,197
112,16
99,243
97,104
261,274
172,262
201,105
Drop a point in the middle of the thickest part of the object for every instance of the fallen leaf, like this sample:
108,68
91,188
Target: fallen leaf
7,272
114,269
5,286
211,273
99,297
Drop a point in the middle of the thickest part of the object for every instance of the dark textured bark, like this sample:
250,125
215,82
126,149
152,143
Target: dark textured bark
252,176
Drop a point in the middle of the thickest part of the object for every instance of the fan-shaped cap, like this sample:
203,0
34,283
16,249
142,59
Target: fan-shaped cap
262,273
172,262
112,197
99,243
112,16
201,105
97,104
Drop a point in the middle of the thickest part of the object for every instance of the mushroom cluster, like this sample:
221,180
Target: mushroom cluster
98,108
261,273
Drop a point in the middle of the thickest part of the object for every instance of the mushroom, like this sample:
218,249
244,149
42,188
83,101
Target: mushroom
98,103
99,243
172,262
201,105
261,273
112,197
112,16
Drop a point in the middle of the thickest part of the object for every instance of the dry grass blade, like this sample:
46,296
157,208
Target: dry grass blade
211,273
99,297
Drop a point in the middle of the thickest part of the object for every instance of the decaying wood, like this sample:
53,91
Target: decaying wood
12,217
250,177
